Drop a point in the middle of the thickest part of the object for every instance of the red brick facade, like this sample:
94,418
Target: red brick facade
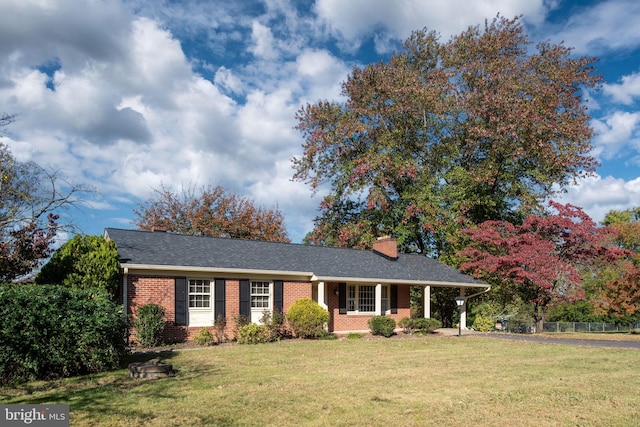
145,289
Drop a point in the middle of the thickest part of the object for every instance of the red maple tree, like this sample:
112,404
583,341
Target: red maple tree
541,258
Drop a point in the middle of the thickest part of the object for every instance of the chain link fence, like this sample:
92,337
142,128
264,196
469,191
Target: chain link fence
519,327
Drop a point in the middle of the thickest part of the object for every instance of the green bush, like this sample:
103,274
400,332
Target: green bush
354,336
253,334
52,331
483,323
419,325
426,325
204,337
239,320
149,324
219,328
307,318
382,325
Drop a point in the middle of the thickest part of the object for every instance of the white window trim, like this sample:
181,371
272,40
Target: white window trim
377,301
189,293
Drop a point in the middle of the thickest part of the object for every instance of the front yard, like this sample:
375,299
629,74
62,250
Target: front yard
419,381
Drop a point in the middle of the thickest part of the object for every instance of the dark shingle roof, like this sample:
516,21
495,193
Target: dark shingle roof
169,249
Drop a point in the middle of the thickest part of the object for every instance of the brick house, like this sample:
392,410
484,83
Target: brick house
196,279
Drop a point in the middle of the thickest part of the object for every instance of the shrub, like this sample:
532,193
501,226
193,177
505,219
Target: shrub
275,324
426,325
483,323
53,331
354,336
239,320
253,334
382,325
204,337
406,324
307,318
419,325
149,324
219,326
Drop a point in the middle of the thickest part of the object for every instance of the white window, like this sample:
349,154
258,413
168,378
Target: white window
384,297
199,293
361,298
260,295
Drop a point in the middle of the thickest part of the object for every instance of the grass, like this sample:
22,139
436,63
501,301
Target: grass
419,381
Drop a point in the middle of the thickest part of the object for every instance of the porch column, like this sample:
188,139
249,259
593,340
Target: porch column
125,274
426,296
463,311
322,295
378,299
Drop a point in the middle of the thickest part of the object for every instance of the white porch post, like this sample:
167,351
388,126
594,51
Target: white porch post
322,295
378,299
463,311
426,295
125,274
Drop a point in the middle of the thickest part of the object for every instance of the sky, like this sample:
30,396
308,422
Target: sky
126,96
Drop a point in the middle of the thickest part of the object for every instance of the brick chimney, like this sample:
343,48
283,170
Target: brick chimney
387,247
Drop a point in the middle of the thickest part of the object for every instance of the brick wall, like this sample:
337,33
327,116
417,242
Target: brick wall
160,290
349,322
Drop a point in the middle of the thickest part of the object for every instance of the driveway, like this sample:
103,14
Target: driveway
562,341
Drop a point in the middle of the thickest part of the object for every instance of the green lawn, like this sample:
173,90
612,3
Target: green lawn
366,382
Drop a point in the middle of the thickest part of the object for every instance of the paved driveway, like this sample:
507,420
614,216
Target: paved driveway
564,341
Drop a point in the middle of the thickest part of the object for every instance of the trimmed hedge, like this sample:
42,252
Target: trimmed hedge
382,325
52,331
149,324
419,325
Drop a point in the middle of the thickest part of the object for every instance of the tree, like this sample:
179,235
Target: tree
84,262
620,293
539,260
30,201
446,135
210,212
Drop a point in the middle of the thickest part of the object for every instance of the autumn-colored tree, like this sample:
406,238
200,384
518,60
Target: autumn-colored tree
210,212
619,294
539,261
30,199
445,135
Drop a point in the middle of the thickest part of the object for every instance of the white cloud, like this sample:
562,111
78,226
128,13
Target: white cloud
626,91
357,19
263,42
614,134
611,24
597,195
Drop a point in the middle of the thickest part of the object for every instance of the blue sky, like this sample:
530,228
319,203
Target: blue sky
123,96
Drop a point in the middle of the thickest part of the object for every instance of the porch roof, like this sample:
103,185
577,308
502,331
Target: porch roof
164,251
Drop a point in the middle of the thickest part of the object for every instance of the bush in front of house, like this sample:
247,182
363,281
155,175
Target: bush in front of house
276,325
419,325
307,319
382,325
204,337
149,324
253,334
53,331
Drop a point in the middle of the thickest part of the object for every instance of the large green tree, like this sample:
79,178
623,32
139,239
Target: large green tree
84,262
444,135
210,211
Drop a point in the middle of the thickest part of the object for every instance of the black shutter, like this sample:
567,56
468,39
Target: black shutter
221,297
278,295
394,299
245,298
181,300
342,298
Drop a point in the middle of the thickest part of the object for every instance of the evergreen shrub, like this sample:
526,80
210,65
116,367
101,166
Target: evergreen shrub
53,331
382,325
149,324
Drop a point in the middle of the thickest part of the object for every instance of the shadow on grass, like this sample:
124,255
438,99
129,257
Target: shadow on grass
94,396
